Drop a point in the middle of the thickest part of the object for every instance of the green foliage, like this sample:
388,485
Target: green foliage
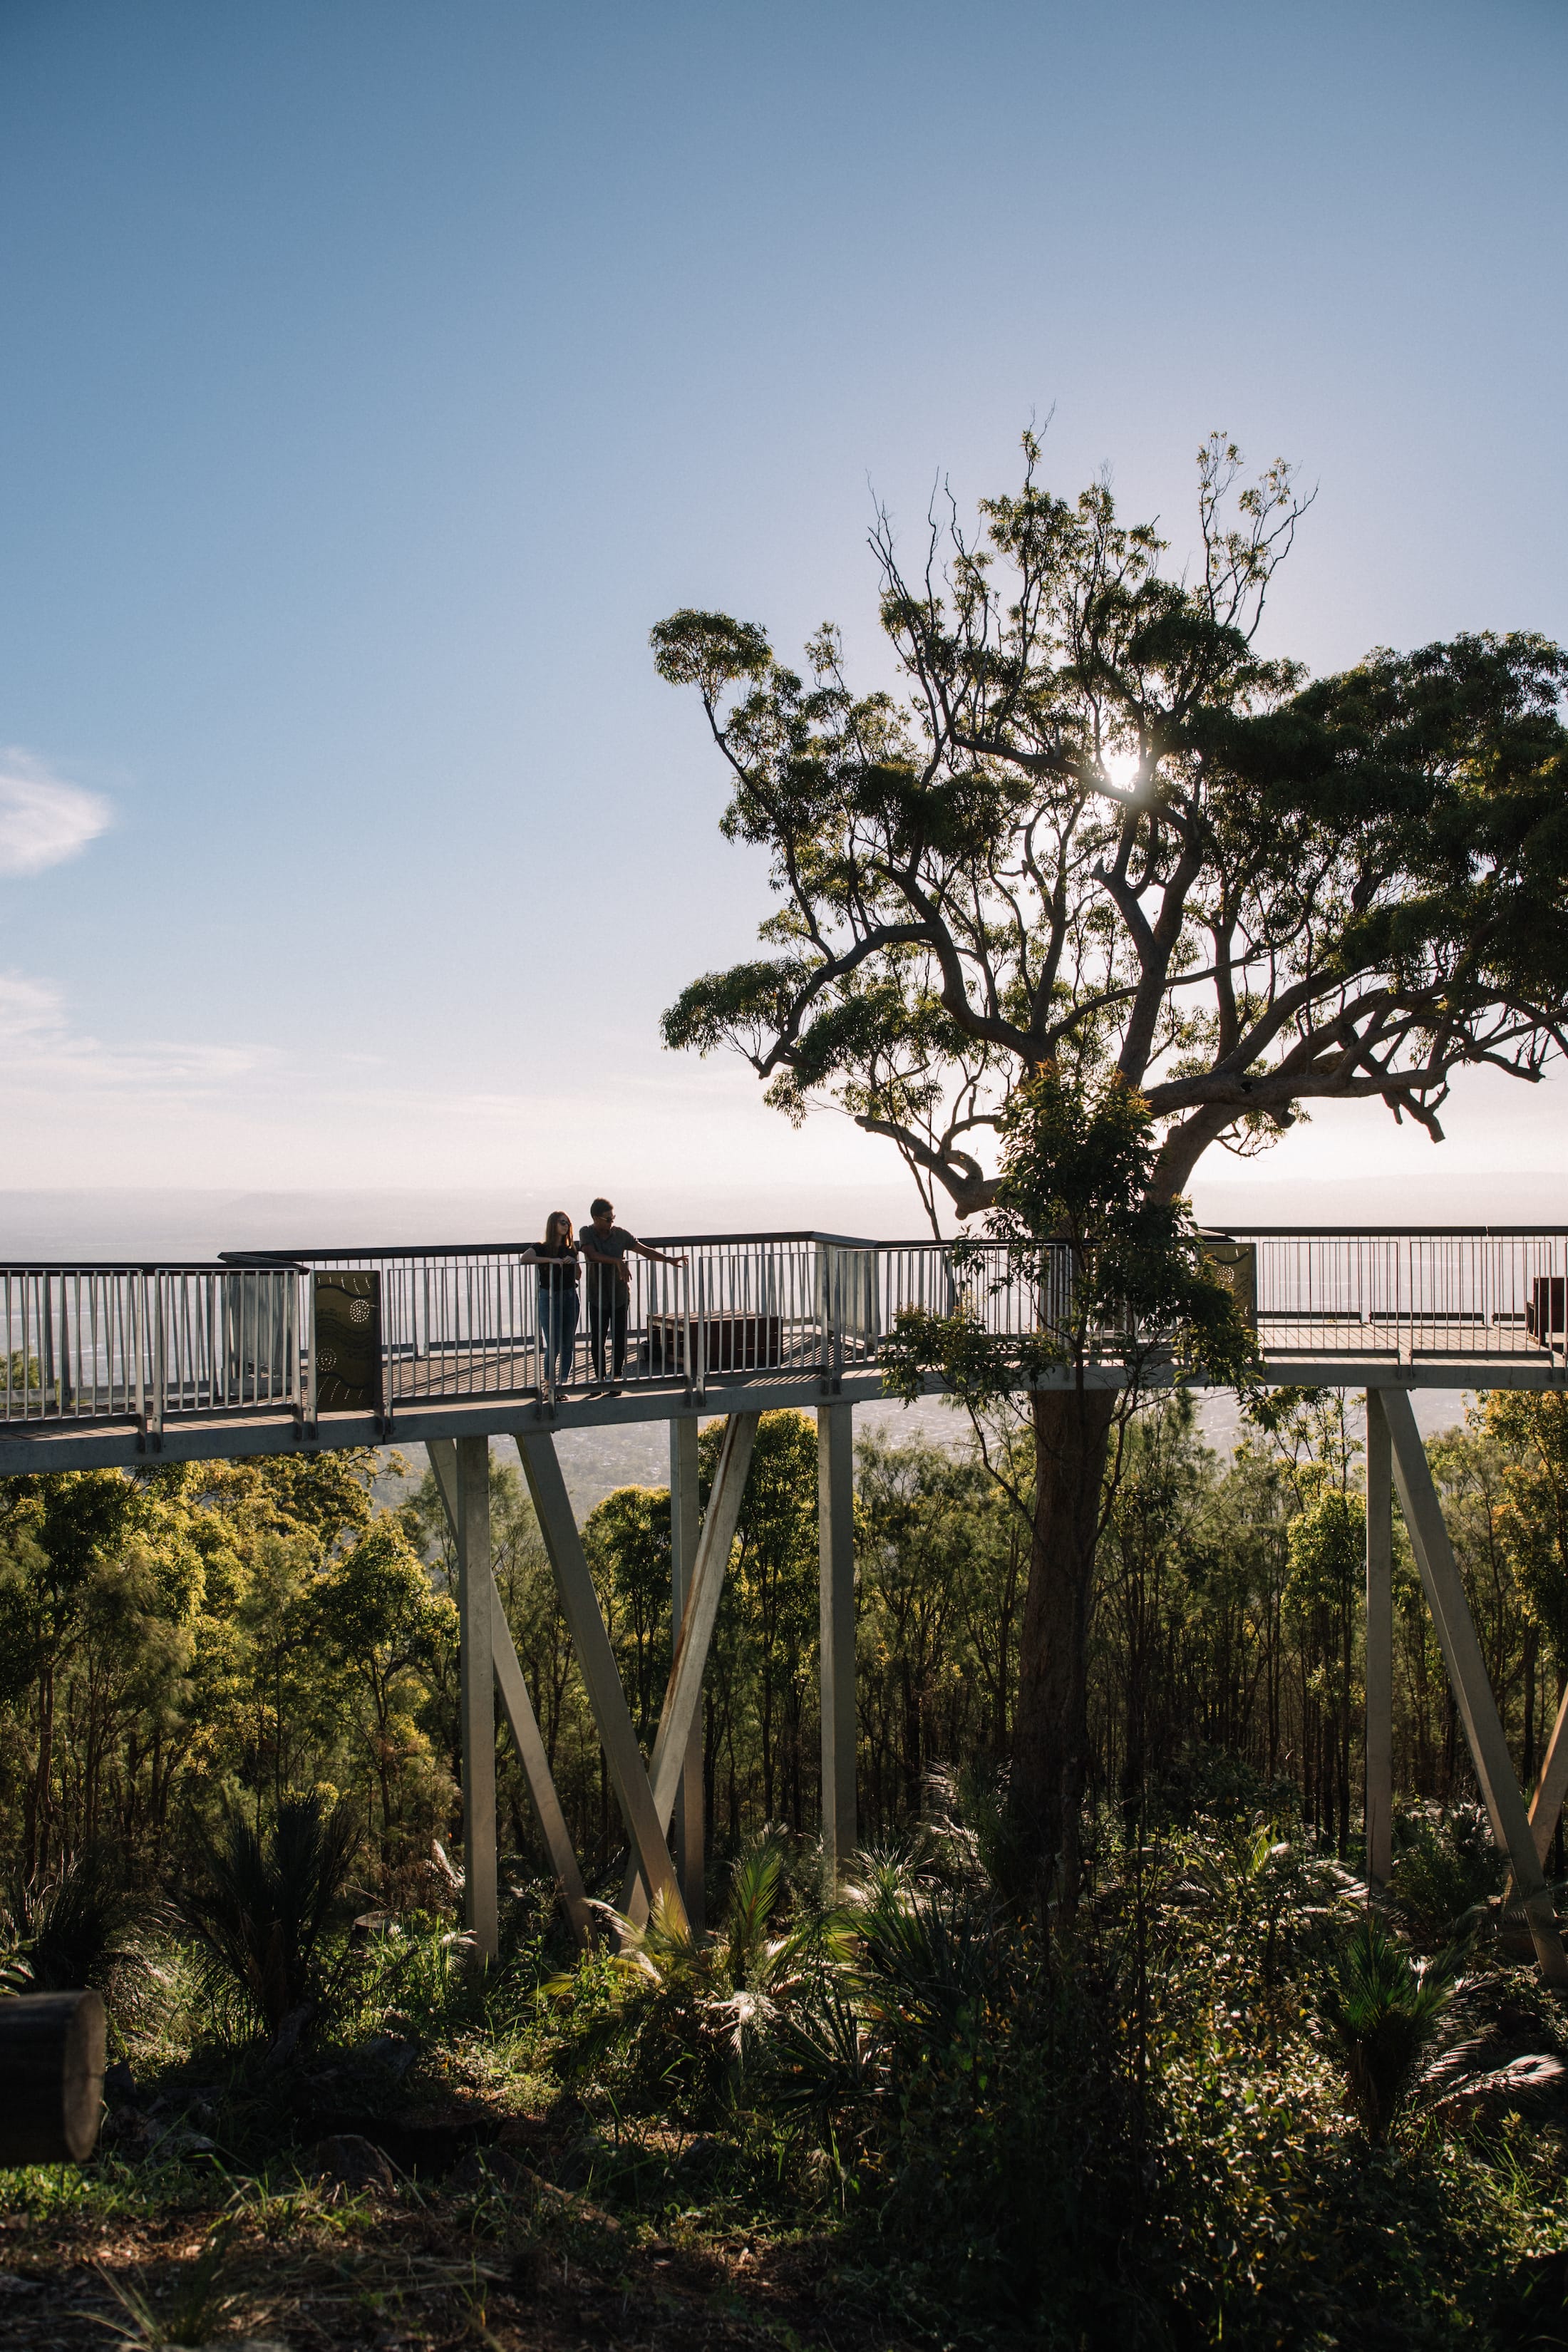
1446,1870
765,1645
626,1539
688,2016
1004,2169
1530,1429
1112,1267
1099,829
1328,1549
940,1566
259,1909
1383,2012
1155,2125
82,1925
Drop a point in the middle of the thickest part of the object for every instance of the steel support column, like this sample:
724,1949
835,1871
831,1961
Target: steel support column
476,1702
684,1518
518,1707
1379,1815
835,1527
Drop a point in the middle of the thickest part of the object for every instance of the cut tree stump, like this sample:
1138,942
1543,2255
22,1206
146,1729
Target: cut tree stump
51,2077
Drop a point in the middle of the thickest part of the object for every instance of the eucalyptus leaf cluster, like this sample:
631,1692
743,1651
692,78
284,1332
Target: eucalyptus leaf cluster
1080,1261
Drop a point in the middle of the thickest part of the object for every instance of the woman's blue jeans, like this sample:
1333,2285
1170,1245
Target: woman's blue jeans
558,1330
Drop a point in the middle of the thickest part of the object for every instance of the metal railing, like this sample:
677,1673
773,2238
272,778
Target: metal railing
1405,1294
1478,1294
152,1343
494,1319
85,1343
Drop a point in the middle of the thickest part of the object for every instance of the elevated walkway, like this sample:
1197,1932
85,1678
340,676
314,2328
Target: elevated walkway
258,1353
261,1352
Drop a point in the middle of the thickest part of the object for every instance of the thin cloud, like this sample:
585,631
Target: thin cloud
42,820
42,1052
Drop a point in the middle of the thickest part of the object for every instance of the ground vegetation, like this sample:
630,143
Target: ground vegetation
1230,2099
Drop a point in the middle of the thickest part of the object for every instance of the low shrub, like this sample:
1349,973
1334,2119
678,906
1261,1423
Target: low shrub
1383,2013
260,1910
1446,1868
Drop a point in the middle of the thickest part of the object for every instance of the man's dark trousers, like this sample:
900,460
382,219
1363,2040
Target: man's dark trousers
608,1312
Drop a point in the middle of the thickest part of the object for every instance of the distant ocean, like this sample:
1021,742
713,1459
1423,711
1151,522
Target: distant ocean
108,1222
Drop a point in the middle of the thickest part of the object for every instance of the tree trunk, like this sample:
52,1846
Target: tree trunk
51,2061
1050,1728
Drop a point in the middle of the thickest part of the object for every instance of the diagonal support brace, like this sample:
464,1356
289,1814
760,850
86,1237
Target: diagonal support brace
683,1692
596,1663
518,1708
1552,1789
1445,1591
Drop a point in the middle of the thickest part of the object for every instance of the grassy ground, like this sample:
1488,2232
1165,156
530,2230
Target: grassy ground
473,2243
431,2185
508,2265
1013,2148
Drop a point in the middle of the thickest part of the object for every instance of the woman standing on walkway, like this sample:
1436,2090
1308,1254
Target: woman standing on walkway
556,1258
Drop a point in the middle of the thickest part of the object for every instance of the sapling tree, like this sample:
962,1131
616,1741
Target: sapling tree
1099,829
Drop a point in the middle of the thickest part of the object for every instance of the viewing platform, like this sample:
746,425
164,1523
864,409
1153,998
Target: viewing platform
117,1365
260,1353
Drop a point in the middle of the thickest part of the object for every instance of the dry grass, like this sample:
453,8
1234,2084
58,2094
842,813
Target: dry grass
506,2266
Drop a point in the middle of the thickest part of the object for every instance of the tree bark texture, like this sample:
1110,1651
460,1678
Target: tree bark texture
1050,1731
51,2076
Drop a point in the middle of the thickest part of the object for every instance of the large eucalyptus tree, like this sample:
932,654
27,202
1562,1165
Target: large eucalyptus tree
1097,830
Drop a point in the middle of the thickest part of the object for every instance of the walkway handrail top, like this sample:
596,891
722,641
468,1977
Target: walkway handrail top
515,1248
228,1261
1239,1230
1234,1229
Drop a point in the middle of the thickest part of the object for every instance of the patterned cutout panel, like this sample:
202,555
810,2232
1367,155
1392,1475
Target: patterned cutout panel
348,1342
1235,1264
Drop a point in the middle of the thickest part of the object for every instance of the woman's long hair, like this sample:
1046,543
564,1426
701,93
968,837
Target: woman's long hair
558,1228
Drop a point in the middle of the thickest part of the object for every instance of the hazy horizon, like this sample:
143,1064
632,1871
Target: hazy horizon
169,1222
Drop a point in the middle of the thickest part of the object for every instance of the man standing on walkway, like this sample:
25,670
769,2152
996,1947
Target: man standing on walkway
605,1246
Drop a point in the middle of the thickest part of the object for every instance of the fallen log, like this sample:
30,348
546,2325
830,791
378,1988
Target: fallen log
51,2077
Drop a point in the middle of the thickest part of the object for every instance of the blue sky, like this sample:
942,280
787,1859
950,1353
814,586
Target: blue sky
376,374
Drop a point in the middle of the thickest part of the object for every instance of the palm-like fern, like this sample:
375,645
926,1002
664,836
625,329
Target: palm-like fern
692,2015
80,1925
1383,2012
259,1909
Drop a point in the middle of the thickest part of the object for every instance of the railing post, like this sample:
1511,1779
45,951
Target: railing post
836,1524
135,1387
308,1384
159,1366
295,1360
